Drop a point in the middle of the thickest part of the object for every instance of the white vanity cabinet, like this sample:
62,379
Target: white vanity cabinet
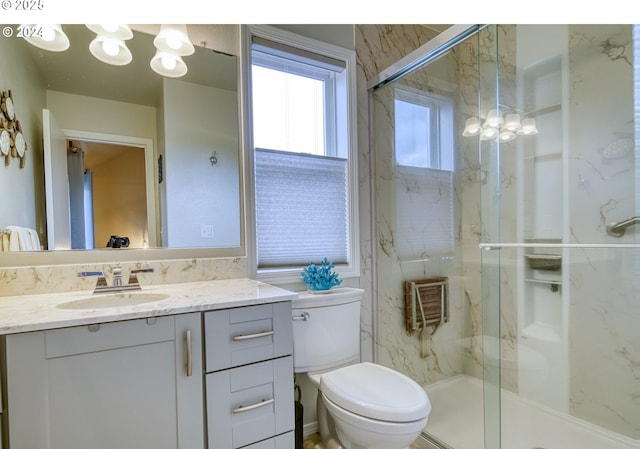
249,377
120,385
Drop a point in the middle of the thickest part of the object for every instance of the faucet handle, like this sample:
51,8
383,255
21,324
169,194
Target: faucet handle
133,278
102,281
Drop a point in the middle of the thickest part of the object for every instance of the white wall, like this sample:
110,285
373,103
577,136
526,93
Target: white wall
199,193
19,185
97,115
342,35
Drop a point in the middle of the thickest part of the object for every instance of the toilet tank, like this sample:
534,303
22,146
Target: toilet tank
326,329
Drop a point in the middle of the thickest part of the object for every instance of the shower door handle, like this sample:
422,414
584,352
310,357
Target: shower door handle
616,229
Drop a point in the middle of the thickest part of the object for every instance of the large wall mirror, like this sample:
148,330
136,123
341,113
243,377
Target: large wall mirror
154,161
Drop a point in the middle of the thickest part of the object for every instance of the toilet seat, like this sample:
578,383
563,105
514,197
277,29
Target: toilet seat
376,392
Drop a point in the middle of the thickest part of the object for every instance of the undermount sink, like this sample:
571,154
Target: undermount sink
122,299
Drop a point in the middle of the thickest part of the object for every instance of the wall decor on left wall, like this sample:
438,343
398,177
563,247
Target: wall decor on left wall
12,143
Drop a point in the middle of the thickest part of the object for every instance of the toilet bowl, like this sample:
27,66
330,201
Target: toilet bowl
359,405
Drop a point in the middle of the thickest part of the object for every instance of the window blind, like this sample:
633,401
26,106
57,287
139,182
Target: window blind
301,209
424,212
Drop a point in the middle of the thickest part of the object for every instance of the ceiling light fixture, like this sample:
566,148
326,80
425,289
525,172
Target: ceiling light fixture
47,37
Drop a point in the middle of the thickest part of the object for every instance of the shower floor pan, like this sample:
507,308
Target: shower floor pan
456,422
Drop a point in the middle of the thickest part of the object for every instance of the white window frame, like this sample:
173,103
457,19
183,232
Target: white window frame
329,97
441,121
288,276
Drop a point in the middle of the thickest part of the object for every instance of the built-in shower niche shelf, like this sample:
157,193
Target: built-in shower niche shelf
545,262
553,285
542,331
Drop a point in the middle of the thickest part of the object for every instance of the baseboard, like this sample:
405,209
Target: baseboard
310,429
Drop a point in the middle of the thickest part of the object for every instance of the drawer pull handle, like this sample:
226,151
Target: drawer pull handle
251,336
304,316
189,354
254,406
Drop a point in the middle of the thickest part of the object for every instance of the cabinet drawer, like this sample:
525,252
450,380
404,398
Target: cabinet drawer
100,337
286,441
243,335
250,403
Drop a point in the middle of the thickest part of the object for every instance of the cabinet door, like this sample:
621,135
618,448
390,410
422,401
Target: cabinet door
116,385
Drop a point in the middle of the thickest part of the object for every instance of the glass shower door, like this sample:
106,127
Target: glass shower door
561,260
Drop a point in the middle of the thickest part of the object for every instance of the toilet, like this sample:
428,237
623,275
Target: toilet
360,405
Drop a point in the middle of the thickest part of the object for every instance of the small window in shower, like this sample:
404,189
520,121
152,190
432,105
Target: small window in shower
423,129
423,174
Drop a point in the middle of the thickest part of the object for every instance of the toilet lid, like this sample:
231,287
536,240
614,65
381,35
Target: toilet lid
376,392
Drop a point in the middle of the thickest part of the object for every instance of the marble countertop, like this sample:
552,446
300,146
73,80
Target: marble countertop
27,313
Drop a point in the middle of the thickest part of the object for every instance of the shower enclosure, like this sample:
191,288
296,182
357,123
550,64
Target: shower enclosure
505,163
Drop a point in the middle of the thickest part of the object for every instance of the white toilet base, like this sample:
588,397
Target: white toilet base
354,436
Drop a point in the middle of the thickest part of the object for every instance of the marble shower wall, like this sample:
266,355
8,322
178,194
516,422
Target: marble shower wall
586,179
451,350
602,188
492,204
377,47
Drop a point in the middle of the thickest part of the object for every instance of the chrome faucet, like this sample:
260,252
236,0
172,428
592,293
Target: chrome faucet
117,276
117,283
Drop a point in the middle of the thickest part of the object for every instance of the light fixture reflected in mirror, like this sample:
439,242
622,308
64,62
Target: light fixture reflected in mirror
489,133
506,136
494,119
47,37
114,31
109,46
174,39
472,127
168,65
111,51
172,42
529,127
498,126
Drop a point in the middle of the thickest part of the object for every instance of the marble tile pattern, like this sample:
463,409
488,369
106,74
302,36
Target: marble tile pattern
64,278
603,187
27,313
597,318
377,47
447,352
603,285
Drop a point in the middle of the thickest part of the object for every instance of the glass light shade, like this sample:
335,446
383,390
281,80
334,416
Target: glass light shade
512,122
174,39
528,127
53,38
507,136
489,133
169,65
472,127
494,119
111,51
114,31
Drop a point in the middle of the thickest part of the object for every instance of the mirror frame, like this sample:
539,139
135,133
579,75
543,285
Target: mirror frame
227,40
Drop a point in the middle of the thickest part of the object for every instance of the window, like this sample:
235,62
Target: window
424,174
304,189
424,129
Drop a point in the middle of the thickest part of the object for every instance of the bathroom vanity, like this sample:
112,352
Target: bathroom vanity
208,364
